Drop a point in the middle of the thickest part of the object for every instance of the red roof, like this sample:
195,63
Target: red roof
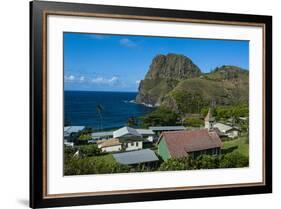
180,143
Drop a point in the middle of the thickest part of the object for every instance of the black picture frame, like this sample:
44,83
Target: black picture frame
38,11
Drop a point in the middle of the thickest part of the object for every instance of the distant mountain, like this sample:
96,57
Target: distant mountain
176,82
163,76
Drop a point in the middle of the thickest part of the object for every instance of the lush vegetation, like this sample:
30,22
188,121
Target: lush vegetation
188,102
87,162
161,116
84,137
193,122
225,112
89,150
174,81
231,160
240,145
132,122
90,160
93,165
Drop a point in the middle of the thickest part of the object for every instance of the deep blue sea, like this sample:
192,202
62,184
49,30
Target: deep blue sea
80,108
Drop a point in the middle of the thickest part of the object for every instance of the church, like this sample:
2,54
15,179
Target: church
190,143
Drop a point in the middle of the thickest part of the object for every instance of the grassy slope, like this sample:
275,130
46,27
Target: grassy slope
107,158
204,87
240,145
157,89
227,85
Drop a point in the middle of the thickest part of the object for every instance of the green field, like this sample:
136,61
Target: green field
240,145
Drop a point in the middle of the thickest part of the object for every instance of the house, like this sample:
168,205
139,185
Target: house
223,130
101,135
159,129
129,137
147,134
126,132
177,144
227,130
144,156
110,145
68,130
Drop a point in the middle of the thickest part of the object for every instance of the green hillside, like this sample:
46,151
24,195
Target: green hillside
174,81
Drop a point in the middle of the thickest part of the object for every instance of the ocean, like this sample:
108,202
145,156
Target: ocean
80,109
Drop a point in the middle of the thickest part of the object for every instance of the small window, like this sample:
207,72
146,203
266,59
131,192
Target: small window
137,144
132,143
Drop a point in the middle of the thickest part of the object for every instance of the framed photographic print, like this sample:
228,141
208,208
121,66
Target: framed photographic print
139,104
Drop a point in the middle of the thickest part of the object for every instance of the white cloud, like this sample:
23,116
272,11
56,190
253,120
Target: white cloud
127,42
98,80
113,79
105,81
69,78
138,82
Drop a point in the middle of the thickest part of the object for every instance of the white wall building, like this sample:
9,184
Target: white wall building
133,145
147,134
111,145
229,131
130,138
225,130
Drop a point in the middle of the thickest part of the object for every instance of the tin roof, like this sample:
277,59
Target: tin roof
136,157
126,131
101,134
223,127
166,128
145,132
72,129
179,143
109,143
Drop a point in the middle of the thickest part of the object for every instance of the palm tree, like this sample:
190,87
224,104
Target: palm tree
99,109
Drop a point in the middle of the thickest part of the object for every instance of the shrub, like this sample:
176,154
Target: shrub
173,164
84,137
188,102
90,150
234,160
193,122
160,116
88,165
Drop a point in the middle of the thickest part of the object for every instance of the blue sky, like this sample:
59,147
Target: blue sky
117,63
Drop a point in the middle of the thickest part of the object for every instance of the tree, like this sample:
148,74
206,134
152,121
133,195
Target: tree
173,165
84,137
68,152
207,162
161,116
99,110
193,122
90,150
188,102
132,121
234,160
92,165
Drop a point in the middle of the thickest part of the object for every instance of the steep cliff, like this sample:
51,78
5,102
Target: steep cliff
176,82
163,75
